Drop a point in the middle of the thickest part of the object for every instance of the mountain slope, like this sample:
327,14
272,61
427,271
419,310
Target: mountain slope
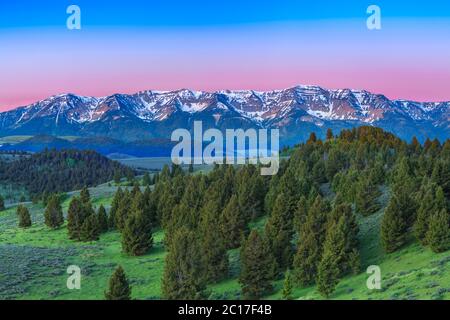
295,111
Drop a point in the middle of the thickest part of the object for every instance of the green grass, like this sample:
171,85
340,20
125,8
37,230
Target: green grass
33,264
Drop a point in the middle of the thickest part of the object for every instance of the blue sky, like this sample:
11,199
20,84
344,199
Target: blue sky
20,14
131,45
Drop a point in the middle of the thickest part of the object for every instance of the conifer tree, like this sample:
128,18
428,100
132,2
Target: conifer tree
366,200
438,234
114,206
279,232
119,288
300,213
233,224
102,219
393,226
85,196
257,267
123,210
287,286
309,248
328,271
53,215
2,203
90,230
146,181
214,253
24,216
183,270
354,261
137,236
75,218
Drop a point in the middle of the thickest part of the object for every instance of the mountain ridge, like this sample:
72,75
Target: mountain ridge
155,114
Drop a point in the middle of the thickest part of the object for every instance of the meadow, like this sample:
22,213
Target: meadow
33,263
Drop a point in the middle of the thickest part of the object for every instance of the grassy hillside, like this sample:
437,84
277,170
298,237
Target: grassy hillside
33,264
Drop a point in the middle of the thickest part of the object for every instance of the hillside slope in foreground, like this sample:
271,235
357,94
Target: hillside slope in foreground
33,264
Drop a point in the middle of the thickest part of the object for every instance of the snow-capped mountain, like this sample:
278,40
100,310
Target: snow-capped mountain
295,111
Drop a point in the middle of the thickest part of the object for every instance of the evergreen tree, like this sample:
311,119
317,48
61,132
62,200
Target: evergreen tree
354,261
53,215
366,201
432,202
214,253
85,196
114,207
90,230
24,216
123,210
328,271
75,218
102,219
393,226
183,270
137,236
146,181
287,286
257,267
300,213
279,232
233,224
309,248
119,288
438,234
2,203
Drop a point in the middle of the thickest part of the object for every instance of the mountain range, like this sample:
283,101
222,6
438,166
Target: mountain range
296,111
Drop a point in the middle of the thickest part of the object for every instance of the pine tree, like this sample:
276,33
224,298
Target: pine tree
85,196
300,213
438,234
146,181
2,203
257,267
122,210
137,236
431,203
309,248
233,224
183,269
75,218
90,230
328,271
119,288
393,226
102,219
366,201
279,232
114,206
214,253
53,213
287,286
354,261
24,216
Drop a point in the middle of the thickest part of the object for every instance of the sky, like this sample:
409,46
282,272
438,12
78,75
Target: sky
134,45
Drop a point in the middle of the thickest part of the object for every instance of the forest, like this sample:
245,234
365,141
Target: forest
310,212
54,170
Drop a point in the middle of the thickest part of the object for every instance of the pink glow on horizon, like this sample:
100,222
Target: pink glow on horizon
100,64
